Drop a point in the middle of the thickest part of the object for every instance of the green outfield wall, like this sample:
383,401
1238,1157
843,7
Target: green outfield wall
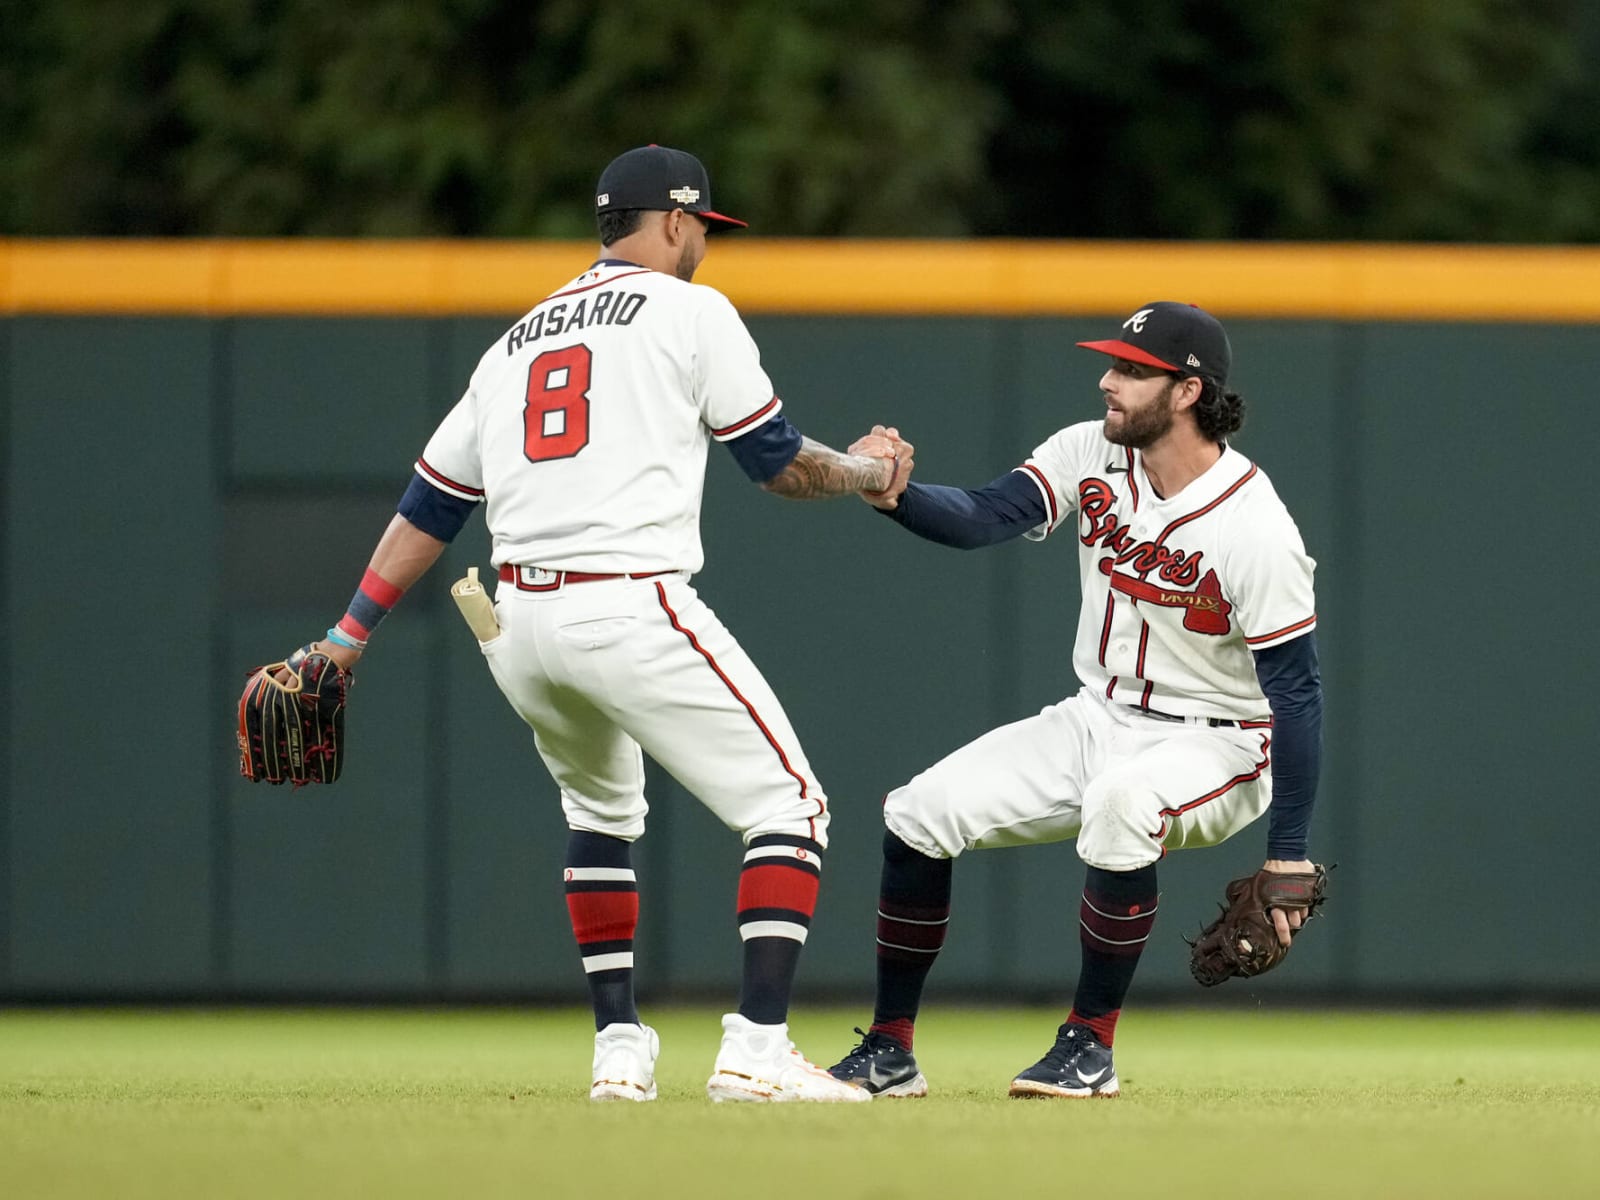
189,493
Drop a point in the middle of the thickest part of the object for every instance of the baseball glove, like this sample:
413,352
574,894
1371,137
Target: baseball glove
1241,941
294,732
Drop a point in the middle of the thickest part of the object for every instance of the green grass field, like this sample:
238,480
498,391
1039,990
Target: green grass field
493,1103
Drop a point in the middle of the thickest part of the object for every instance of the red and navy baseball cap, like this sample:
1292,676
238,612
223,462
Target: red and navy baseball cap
1174,337
660,179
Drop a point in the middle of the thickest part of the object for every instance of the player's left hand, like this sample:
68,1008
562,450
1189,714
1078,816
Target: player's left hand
1286,922
1251,934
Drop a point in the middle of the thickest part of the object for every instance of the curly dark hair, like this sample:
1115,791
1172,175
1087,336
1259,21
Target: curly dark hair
618,224
1217,412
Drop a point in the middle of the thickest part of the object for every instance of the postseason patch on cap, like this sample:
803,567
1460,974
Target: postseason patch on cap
659,178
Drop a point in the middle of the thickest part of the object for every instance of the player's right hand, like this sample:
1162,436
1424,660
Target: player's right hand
877,444
885,442
343,657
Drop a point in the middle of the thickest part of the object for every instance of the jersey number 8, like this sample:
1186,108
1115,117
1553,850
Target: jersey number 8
555,420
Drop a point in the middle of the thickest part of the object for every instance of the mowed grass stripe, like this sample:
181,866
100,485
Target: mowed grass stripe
492,1103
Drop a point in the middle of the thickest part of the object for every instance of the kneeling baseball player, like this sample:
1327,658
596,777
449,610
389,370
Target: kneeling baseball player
1200,706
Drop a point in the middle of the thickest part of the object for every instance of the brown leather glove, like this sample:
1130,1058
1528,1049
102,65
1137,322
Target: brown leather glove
1242,940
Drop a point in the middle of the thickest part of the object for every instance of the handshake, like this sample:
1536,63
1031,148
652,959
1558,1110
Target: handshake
887,443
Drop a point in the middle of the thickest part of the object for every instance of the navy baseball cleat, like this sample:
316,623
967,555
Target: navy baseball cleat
1077,1066
882,1066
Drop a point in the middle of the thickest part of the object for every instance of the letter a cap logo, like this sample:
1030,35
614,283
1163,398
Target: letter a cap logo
1175,337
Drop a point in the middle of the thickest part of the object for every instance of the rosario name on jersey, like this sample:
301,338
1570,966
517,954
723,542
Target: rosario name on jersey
1178,591
586,426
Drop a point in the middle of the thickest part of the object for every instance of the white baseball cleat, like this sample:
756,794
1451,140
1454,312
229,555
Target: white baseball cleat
625,1063
760,1063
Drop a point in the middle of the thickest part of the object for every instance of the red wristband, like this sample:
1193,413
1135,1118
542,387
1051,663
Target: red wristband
370,605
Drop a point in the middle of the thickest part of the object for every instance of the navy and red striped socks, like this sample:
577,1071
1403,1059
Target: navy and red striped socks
913,918
1114,923
603,902
777,897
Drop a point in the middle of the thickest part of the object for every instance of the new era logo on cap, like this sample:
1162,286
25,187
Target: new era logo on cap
1174,337
659,179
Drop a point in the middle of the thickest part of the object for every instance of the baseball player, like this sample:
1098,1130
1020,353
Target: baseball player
1200,706
584,433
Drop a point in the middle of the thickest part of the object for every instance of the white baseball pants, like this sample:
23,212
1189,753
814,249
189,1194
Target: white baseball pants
603,668
1126,785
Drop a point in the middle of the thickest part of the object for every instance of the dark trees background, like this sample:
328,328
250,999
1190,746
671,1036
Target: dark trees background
1469,120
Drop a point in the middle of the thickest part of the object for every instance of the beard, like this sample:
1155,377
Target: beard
1144,428
686,264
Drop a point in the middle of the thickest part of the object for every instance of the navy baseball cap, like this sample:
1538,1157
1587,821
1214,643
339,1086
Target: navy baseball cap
1175,337
660,179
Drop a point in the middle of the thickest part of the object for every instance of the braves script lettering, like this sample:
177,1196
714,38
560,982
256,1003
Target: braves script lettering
1096,505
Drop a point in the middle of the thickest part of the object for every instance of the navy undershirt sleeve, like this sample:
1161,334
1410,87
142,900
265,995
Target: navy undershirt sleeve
436,513
1292,681
967,518
766,449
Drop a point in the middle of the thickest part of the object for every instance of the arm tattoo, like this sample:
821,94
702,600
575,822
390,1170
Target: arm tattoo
819,471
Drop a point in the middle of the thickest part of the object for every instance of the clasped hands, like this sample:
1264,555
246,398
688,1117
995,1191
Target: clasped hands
886,442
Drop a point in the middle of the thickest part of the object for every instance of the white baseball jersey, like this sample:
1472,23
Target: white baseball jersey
586,426
1177,592
585,429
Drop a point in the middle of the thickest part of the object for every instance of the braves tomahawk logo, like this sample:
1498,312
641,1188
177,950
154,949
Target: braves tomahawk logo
1205,609
1185,587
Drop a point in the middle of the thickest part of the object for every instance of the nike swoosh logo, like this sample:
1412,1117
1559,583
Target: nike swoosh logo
1110,470
878,1077
1092,1078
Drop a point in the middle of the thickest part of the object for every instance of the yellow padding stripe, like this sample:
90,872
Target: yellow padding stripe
914,278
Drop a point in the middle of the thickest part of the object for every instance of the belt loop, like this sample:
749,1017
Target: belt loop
1212,722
